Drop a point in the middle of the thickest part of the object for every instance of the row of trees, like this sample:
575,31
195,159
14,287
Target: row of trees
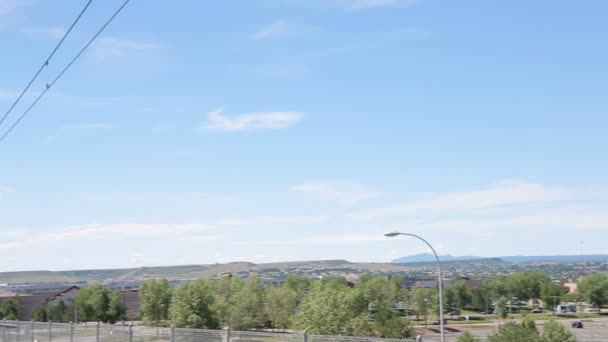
94,303
332,306
323,307
525,331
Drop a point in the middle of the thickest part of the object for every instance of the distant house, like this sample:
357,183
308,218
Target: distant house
130,299
570,287
28,303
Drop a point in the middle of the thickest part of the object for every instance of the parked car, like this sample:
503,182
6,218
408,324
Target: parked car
536,310
577,324
454,313
594,310
437,322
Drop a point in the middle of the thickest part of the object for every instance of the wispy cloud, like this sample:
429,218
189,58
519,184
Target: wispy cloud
114,46
347,238
503,193
273,220
367,4
8,6
217,121
89,126
5,190
52,33
339,192
281,29
104,231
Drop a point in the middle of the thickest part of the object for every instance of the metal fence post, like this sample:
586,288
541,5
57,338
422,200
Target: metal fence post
97,332
17,331
173,333
4,330
50,331
226,334
32,331
130,333
305,336
71,331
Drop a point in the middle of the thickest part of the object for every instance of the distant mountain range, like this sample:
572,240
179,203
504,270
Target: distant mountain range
426,257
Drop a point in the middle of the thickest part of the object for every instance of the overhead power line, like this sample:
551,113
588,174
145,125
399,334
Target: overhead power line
46,62
48,86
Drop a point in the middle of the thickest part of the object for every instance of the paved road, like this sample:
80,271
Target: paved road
595,330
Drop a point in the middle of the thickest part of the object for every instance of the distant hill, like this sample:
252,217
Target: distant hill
524,258
425,257
187,272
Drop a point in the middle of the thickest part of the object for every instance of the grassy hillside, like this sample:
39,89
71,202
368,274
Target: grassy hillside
184,271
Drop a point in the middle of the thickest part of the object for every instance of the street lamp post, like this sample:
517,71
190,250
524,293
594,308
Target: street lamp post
440,277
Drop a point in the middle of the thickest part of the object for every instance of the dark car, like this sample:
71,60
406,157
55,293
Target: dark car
437,322
454,313
577,324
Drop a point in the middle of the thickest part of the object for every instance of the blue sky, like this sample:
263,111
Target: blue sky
271,130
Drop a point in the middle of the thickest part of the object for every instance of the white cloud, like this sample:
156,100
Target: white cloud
504,193
89,126
347,238
159,197
367,4
5,190
8,6
104,231
53,33
217,121
273,220
124,50
282,29
339,192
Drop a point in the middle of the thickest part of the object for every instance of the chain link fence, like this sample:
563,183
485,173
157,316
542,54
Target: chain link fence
18,331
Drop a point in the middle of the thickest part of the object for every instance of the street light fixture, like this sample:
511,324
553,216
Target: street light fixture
440,277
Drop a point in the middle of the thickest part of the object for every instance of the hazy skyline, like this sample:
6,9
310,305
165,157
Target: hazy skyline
201,132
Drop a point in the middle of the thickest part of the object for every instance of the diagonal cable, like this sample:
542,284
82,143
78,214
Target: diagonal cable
45,64
63,71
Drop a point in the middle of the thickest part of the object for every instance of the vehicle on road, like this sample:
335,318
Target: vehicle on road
436,322
577,324
536,310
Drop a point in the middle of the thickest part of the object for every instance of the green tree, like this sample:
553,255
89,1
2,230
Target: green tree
511,332
502,307
84,308
39,313
116,309
247,305
421,301
224,293
60,312
194,306
281,305
10,309
594,288
550,294
462,294
388,324
94,303
155,298
553,331
467,337
496,287
327,310
480,299
527,284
